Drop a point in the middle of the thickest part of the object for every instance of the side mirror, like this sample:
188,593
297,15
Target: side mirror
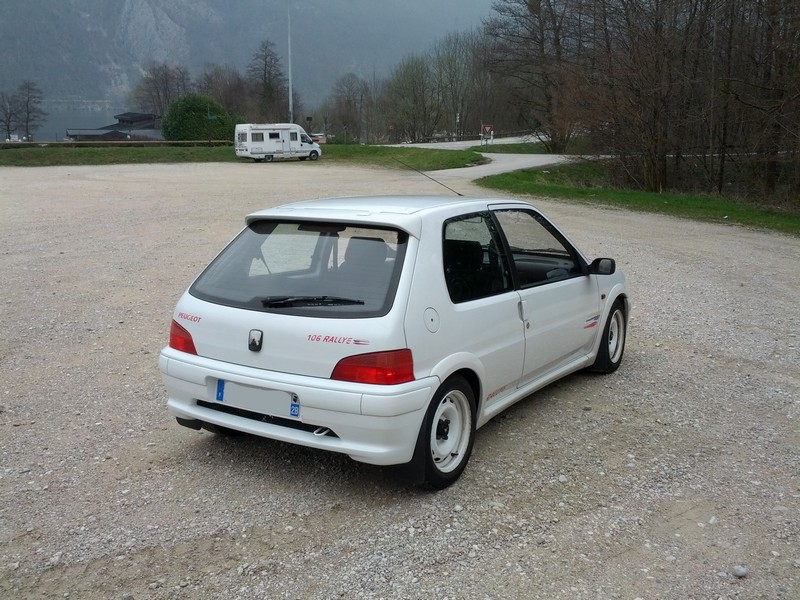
603,266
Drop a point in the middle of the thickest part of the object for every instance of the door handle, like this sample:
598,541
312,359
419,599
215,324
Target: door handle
522,306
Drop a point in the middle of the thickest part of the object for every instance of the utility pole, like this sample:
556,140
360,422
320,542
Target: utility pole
289,21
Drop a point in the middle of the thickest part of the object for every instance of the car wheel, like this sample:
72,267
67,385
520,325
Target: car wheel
448,433
268,158
612,346
314,155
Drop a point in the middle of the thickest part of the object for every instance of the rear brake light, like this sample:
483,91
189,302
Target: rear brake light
180,339
382,368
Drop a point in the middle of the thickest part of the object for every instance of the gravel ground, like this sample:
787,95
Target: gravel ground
678,476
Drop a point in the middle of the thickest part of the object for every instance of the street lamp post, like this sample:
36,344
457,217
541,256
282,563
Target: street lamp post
289,20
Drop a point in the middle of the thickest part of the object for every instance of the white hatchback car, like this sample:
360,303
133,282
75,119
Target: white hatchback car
388,328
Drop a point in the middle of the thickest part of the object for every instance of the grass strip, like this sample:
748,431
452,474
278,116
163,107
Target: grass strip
583,182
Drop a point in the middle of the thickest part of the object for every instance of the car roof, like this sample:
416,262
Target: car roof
405,212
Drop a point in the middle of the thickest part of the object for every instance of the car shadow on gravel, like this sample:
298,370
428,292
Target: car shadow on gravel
238,457
287,466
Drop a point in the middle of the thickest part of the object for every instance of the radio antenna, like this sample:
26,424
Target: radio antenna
428,176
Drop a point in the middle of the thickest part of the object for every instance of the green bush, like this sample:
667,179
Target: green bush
196,117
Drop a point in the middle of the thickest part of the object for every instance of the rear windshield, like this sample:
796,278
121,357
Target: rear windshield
302,268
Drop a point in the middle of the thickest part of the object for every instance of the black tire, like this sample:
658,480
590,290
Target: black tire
314,155
612,345
447,434
268,158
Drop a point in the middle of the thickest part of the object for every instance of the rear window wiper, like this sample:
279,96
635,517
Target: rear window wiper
284,301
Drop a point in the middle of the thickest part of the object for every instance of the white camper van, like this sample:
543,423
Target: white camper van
269,141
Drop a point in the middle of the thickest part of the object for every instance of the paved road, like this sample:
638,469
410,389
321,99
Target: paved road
500,163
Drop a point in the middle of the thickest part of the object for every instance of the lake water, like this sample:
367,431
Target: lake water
58,121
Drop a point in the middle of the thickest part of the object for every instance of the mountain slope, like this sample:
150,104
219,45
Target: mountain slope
85,52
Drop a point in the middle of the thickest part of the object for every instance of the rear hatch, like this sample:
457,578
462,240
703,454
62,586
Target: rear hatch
297,297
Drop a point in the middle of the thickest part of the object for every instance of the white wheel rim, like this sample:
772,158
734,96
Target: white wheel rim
616,336
450,431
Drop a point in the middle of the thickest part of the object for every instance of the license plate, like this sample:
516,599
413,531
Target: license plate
259,400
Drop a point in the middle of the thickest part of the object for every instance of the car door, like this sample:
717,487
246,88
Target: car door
484,319
286,144
559,301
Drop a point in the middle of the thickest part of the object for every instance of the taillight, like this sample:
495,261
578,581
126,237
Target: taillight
180,339
382,368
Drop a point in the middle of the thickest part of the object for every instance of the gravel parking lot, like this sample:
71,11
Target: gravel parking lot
678,476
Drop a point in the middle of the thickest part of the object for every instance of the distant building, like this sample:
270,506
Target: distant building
129,126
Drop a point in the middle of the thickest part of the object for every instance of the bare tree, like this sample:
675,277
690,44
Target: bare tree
696,93
766,90
269,84
490,95
536,51
412,100
452,66
227,86
29,103
9,113
373,120
161,84
348,97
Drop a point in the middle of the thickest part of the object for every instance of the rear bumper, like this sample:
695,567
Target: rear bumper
369,423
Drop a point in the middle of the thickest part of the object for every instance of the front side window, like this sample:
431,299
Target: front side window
473,263
538,253
307,268
293,136
274,135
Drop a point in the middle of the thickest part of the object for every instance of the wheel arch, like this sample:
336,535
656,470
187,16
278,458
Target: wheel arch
415,470
474,382
467,366
618,294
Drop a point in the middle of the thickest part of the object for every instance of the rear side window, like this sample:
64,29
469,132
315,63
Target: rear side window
310,269
258,137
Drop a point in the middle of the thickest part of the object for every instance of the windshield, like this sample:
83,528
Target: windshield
310,269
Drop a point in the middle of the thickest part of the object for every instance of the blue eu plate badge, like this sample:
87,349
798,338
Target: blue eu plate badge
294,407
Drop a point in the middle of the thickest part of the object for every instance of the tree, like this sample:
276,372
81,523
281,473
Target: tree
535,50
9,113
29,103
453,69
348,103
160,85
268,83
227,86
765,87
196,117
412,101
687,94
